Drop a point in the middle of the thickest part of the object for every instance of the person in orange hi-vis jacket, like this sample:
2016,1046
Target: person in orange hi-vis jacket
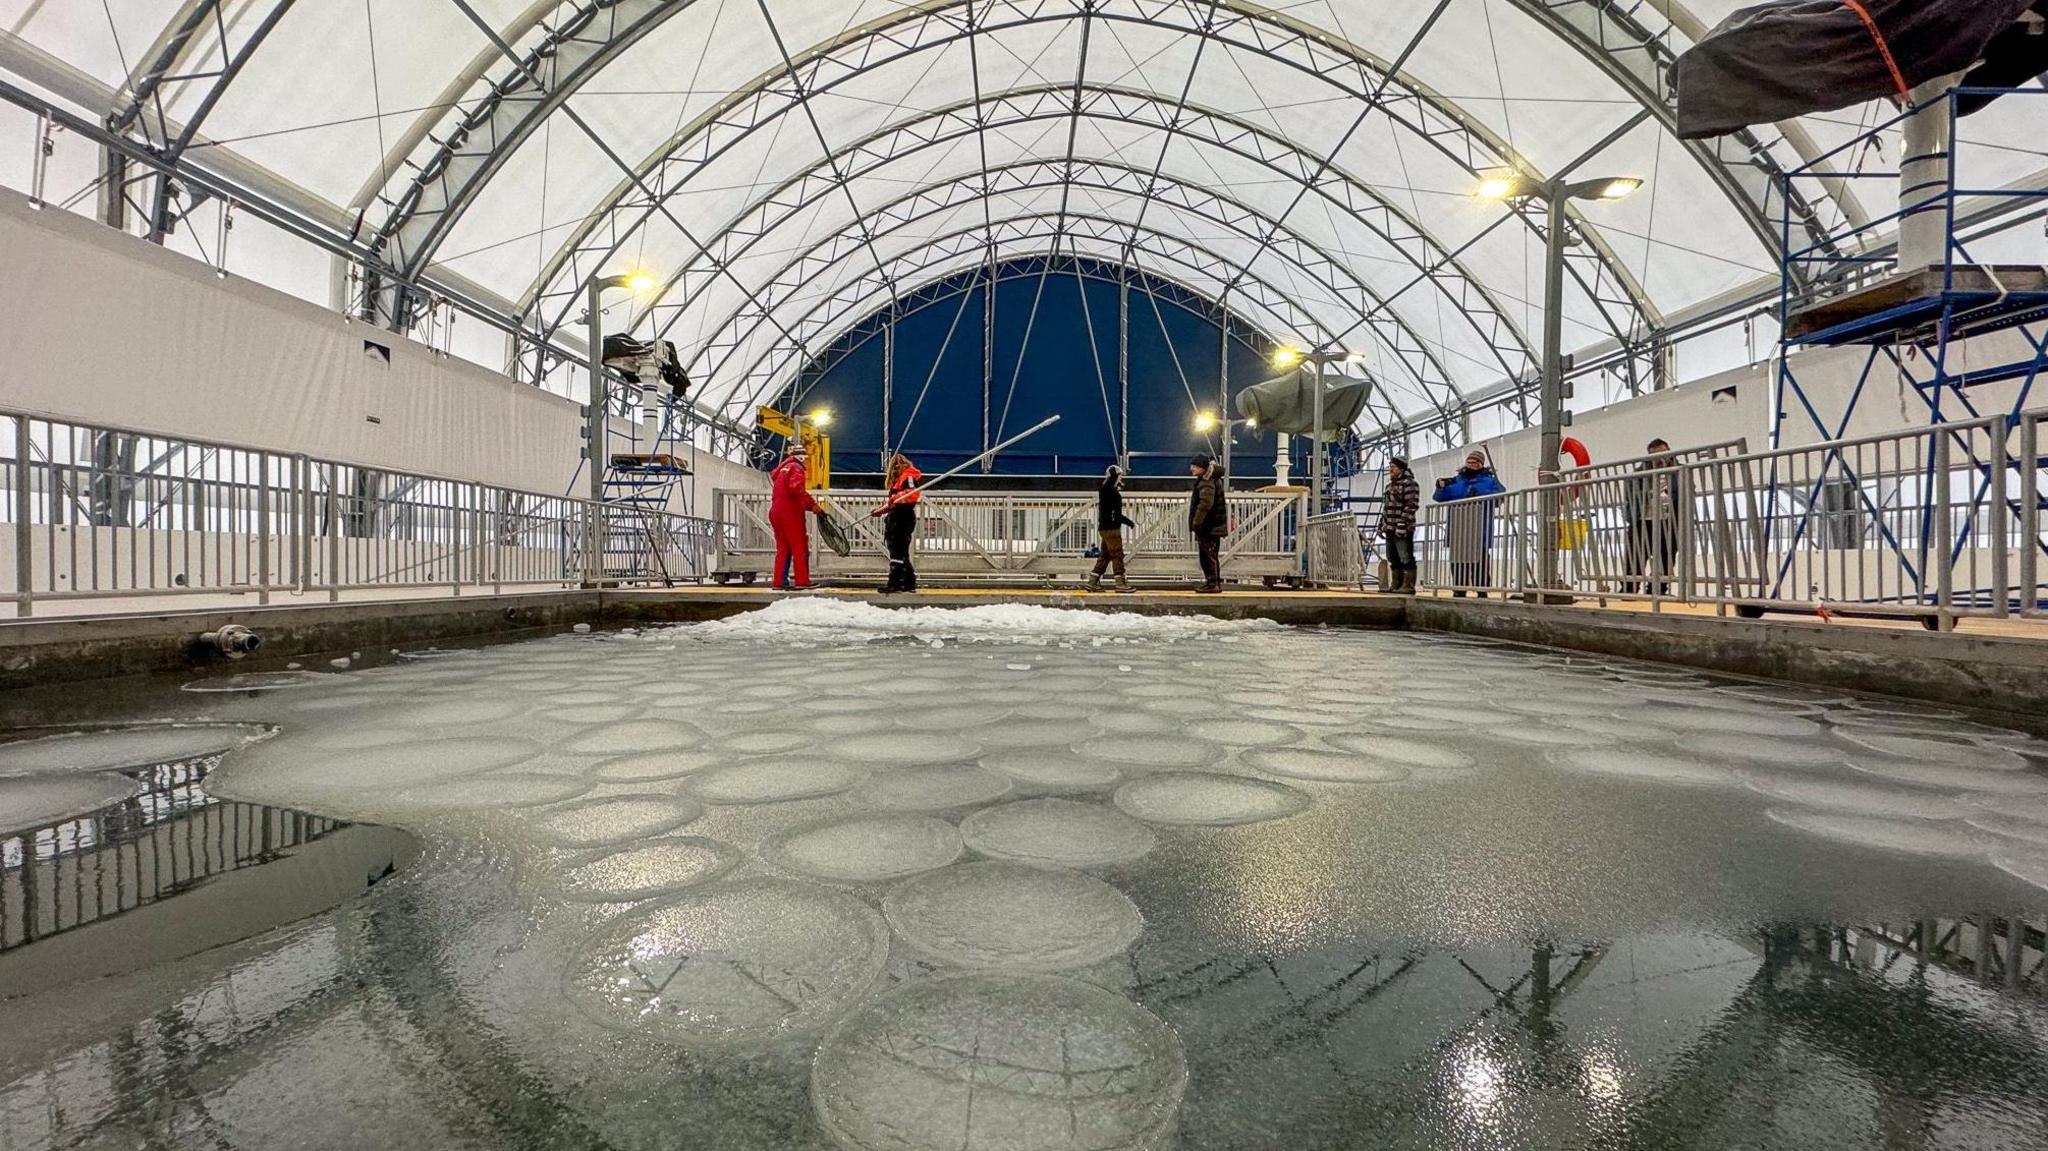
900,524
789,503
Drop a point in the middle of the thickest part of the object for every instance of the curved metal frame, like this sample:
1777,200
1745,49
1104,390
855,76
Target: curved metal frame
936,292
1487,316
971,240
1262,295
1428,373
1425,114
828,317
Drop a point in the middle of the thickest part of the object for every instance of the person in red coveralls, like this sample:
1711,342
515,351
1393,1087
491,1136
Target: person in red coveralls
789,503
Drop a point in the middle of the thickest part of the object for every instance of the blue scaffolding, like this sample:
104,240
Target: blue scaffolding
1931,505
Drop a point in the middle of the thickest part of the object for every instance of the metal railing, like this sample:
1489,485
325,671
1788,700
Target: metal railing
1936,522
1336,550
99,512
1025,535
168,836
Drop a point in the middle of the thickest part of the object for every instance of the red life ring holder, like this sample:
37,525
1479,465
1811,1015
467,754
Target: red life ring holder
1580,456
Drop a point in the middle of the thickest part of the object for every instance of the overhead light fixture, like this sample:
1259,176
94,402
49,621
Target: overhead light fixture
1251,422
1286,358
1498,188
1619,188
1355,358
641,281
820,418
1205,421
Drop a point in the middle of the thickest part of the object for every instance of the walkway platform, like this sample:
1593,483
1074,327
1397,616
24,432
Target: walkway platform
1997,667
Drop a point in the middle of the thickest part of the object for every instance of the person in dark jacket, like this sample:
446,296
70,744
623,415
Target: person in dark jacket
1397,525
1110,522
899,523
1655,530
1209,518
1471,522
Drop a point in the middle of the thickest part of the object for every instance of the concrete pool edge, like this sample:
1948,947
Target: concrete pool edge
1979,672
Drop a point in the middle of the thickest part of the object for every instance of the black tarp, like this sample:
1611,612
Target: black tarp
1775,61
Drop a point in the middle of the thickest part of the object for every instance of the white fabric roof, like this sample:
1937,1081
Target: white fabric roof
703,140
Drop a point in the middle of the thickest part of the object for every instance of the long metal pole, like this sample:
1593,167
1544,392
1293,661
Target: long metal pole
1315,439
594,447
1550,396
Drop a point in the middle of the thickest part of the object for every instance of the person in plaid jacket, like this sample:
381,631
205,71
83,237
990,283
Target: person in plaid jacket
1397,526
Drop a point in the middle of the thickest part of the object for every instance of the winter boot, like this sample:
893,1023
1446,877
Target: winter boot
1124,585
1094,582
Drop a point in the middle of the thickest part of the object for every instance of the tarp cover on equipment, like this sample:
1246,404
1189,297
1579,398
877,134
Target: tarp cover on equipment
1288,404
1776,61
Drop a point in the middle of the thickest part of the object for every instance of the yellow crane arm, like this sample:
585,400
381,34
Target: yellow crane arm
817,445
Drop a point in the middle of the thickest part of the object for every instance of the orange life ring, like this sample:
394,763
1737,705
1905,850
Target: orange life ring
1580,456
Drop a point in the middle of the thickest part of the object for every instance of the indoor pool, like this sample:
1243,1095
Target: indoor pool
829,876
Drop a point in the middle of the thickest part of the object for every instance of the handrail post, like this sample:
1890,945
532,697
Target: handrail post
333,572
1687,512
24,517
263,528
1945,575
2000,524
2030,514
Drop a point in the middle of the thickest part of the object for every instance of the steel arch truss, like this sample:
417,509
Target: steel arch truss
449,179
1425,370
1642,63
1487,316
934,292
1033,236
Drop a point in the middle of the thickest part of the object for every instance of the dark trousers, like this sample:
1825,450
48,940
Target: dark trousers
1210,550
1401,558
1112,553
1652,550
897,529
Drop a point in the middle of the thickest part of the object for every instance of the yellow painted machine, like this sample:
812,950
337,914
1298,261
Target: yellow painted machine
804,429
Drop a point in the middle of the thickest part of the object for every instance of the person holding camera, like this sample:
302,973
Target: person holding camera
1471,522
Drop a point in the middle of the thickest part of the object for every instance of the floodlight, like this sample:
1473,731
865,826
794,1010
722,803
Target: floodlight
1498,188
1286,358
641,281
1618,188
1205,421
820,418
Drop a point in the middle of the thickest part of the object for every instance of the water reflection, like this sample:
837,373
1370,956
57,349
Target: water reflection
1783,1036
1788,1035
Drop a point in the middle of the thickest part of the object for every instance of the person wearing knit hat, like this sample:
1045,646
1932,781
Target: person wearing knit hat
1208,518
1397,526
1110,522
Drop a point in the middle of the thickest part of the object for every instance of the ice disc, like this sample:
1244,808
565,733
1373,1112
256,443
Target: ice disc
933,788
1052,770
643,870
1204,798
867,848
1000,1063
634,736
731,963
1057,833
903,748
613,819
1152,750
1632,763
118,748
999,914
37,800
773,780
1326,766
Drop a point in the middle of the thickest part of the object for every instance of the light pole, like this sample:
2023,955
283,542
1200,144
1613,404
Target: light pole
1207,421
596,419
1314,362
1555,194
